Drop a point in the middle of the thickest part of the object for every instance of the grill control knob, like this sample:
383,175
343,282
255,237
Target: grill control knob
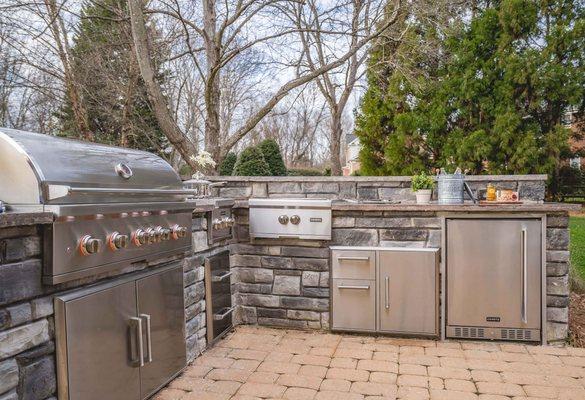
89,245
151,236
178,232
216,223
140,237
117,241
283,219
165,234
295,220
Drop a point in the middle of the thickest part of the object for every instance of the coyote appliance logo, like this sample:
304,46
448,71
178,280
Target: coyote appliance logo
492,319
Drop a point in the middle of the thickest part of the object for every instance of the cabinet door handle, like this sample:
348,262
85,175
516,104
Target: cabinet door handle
221,277
523,272
353,258
137,322
356,287
146,317
387,292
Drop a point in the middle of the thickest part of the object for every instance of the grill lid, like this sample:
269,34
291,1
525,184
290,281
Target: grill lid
42,169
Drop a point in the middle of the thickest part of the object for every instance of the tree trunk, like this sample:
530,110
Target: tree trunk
159,104
212,90
335,146
72,89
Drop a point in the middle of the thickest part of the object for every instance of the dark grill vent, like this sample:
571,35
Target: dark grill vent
470,333
516,334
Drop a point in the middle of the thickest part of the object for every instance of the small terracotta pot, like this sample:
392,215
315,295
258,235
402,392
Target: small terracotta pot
423,196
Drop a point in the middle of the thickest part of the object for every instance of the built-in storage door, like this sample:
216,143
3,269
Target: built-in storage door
407,291
102,345
494,273
354,304
161,310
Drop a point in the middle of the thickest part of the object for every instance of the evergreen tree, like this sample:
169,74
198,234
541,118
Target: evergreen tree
113,91
227,165
273,156
495,104
251,162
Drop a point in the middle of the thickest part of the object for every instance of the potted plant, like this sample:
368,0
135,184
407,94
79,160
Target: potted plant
422,186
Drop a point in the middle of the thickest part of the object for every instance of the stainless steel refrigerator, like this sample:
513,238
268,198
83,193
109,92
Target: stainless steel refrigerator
122,340
494,278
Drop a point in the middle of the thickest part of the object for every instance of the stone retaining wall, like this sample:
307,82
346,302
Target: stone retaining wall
396,188
286,283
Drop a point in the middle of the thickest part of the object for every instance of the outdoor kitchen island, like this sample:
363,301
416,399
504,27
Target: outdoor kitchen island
286,282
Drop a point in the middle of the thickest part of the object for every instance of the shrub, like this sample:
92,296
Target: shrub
422,182
273,157
227,165
251,162
303,172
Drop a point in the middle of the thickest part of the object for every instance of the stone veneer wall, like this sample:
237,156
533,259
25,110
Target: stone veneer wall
396,188
286,284
27,340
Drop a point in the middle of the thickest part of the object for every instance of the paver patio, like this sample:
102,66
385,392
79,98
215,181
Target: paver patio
256,362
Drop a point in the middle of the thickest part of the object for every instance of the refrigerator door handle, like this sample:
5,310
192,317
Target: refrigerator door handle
137,322
524,272
387,292
146,318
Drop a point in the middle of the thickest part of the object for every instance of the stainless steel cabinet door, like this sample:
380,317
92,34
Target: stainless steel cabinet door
161,309
353,264
354,304
101,341
407,291
494,272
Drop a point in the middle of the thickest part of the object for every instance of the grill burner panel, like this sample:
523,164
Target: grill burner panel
113,206
62,241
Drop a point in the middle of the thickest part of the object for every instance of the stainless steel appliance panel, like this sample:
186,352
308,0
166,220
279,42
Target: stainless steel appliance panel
161,308
290,218
67,262
354,305
408,291
218,295
54,170
98,357
493,273
353,264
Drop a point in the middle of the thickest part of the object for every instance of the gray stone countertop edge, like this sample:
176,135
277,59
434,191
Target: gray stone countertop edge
340,205
12,219
349,179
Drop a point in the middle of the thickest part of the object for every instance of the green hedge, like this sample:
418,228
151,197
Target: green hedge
251,162
227,165
273,157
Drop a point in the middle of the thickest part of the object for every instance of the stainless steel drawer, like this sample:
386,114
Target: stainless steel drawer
354,304
353,264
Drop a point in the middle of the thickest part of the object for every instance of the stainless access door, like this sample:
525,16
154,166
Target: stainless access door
494,274
408,291
161,309
98,345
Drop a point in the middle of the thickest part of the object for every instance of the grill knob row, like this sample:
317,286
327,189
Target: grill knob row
88,245
284,219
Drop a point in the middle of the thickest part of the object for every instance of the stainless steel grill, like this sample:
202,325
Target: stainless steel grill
112,206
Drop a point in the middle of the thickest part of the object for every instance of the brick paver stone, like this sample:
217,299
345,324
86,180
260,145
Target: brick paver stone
460,385
237,375
229,387
373,389
307,359
413,380
262,390
333,395
452,395
412,393
279,367
378,365
383,377
198,395
263,377
504,389
313,370
348,374
295,393
340,385
309,382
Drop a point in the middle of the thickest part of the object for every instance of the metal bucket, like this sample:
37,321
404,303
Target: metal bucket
450,187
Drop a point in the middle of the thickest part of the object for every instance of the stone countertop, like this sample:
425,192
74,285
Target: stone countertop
10,219
342,205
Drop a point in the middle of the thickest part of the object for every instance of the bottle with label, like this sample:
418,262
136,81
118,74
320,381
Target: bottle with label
490,194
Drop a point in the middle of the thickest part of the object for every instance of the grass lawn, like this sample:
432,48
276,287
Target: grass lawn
577,225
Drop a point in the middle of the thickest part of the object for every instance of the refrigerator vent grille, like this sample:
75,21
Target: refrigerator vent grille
516,334
469,332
